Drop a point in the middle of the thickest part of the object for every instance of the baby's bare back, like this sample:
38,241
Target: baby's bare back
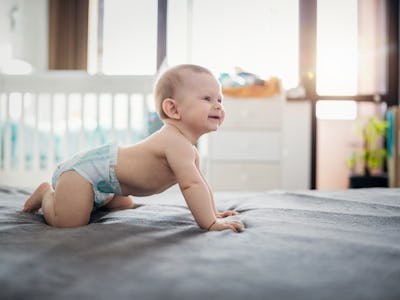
142,169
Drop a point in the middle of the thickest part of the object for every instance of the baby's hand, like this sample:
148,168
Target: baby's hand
234,225
227,213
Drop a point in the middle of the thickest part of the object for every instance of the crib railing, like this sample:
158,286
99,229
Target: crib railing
47,117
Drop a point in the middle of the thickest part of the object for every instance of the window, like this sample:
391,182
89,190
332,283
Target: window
350,47
257,35
347,45
336,110
123,37
260,36
337,47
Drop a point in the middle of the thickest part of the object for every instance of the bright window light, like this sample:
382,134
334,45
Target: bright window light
259,36
130,37
336,110
337,47
16,67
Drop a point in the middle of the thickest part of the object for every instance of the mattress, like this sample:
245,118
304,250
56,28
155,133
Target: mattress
296,245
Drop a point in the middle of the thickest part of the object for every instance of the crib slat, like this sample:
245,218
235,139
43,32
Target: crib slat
83,123
51,150
128,133
146,111
7,136
97,117
67,131
2,123
21,136
36,136
113,135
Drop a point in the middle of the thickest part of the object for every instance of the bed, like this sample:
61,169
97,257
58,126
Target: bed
296,245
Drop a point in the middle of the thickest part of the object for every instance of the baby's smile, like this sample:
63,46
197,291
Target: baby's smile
215,117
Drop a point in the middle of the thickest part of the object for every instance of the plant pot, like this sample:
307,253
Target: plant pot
362,181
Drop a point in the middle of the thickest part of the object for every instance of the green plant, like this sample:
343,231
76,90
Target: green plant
372,155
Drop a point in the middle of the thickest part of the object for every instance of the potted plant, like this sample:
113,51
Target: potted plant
367,164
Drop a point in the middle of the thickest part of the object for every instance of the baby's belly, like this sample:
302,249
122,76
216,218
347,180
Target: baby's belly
141,191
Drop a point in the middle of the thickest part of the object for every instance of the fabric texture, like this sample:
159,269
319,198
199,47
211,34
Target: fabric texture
296,245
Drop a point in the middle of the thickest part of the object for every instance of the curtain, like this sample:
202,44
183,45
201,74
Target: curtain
68,34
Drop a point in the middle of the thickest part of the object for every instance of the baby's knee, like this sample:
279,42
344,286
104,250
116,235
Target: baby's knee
61,222
45,185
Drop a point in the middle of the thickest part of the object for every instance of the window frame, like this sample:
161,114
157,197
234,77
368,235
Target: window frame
307,68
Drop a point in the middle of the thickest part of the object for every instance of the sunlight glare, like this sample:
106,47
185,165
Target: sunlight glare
336,110
337,50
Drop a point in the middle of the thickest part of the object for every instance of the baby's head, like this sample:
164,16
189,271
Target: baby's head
171,81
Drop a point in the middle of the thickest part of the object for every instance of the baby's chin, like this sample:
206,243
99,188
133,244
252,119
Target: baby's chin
215,121
215,128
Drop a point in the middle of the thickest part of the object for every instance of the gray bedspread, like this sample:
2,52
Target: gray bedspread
297,245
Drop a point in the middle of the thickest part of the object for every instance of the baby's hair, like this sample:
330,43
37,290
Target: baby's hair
169,81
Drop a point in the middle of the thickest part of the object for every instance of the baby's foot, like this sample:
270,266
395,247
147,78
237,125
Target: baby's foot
120,203
34,202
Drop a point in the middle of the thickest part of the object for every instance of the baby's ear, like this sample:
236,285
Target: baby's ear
170,109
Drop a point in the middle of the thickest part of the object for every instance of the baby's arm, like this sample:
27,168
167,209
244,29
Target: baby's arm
181,157
217,214
197,162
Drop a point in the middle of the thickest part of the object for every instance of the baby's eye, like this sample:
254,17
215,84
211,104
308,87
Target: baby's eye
219,100
207,98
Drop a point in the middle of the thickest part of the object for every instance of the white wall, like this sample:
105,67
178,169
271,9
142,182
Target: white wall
336,140
24,32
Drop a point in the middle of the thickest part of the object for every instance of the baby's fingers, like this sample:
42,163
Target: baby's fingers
233,225
236,226
232,213
227,214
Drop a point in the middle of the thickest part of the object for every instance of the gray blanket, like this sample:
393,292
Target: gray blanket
296,245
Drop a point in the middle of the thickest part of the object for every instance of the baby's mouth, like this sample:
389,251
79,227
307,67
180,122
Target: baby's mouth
214,117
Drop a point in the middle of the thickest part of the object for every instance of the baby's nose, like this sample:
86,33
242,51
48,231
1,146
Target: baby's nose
218,105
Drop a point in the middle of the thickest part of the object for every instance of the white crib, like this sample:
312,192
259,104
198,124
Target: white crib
47,117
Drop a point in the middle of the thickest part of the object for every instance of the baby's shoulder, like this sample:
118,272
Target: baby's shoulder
174,141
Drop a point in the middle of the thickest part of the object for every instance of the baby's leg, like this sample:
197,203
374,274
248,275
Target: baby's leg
34,202
71,204
119,203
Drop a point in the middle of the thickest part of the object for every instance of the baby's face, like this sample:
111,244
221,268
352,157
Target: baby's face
200,101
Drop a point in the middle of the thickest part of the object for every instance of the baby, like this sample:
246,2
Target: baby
189,102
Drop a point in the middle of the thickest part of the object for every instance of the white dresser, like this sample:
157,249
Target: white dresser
246,152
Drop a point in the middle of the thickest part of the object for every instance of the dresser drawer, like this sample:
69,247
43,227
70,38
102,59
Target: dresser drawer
245,145
253,113
244,176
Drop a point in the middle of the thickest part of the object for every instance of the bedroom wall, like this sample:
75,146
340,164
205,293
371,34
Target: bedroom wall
23,32
335,143
337,139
